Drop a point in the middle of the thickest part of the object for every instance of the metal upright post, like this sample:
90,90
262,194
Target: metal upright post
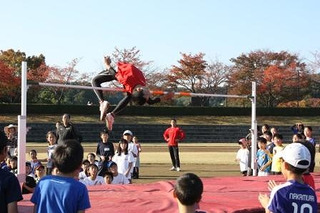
22,125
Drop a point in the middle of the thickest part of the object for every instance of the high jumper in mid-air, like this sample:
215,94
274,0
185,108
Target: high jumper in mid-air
134,84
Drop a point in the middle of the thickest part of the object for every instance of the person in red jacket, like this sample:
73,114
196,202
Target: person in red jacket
134,84
173,135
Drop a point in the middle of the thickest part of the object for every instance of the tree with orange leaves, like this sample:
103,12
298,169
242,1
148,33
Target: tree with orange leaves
280,77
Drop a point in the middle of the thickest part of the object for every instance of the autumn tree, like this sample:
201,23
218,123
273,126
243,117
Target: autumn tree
13,60
280,76
189,74
64,75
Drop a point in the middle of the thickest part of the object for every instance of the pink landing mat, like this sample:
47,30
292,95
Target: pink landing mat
221,194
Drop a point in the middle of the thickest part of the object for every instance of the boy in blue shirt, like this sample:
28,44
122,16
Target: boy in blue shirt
294,195
62,192
264,158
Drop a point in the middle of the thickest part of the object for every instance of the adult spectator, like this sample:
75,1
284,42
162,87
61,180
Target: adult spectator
11,132
66,130
173,135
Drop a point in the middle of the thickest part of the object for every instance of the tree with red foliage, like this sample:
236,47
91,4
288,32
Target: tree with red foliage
12,60
9,83
280,76
189,75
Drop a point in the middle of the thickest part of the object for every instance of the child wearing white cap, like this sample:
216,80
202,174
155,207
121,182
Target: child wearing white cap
294,195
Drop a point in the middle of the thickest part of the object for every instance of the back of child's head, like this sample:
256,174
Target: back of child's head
262,140
68,156
297,156
188,189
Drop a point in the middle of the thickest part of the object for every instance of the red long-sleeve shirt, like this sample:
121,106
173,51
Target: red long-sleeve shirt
172,135
129,76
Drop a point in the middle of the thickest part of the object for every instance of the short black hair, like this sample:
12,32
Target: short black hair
188,189
104,131
279,136
138,97
93,166
262,140
268,133
68,156
108,174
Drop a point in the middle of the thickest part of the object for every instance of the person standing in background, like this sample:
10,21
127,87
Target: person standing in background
173,135
66,130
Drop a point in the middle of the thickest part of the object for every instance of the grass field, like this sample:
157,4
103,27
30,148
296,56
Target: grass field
206,160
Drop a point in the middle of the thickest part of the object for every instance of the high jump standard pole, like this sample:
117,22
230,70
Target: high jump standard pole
254,129
22,125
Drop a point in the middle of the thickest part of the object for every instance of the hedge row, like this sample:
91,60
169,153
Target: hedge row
160,111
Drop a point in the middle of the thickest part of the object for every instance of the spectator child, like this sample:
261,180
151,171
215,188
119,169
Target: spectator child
298,128
297,137
91,157
306,176
13,165
10,191
128,135
52,141
62,192
265,128
308,134
108,178
30,184
93,178
124,159
264,158
273,131
242,157
40,172
118,178
136,167
276,162
105,149
34,160
294,195
84,170
188,192
270,144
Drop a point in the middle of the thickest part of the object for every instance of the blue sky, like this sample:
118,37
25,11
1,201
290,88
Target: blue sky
160,29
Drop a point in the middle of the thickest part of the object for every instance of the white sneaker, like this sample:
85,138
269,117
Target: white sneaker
178,169
109,121
173,168
104,106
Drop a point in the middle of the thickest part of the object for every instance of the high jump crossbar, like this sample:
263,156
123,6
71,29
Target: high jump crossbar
22,128
154,92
